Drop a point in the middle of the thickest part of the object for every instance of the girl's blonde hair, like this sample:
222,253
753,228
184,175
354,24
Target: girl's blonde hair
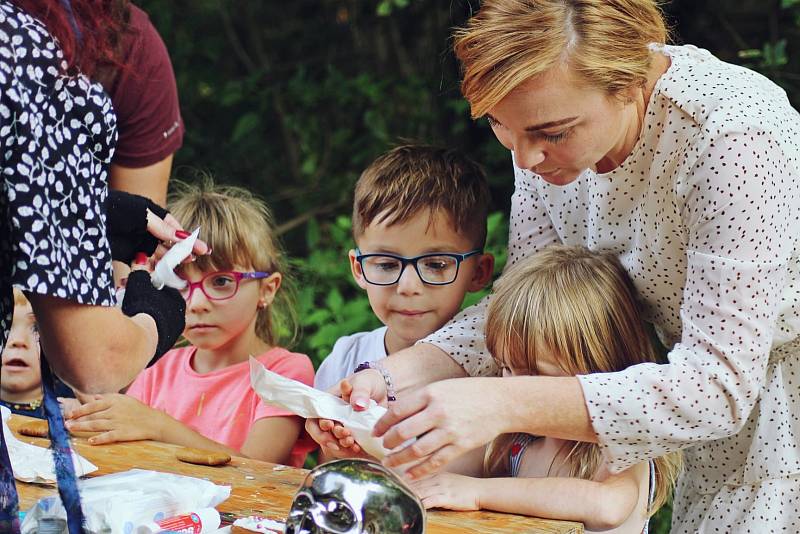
579,307
510,41
238,227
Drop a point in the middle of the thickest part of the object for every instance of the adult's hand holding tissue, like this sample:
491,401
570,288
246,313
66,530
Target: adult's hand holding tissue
308,402
137,224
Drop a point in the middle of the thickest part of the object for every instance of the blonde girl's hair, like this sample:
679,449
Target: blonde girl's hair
580,307
510,41
239,229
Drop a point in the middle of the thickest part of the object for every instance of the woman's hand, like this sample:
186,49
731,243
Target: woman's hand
117,417
450,491
137,224
449,418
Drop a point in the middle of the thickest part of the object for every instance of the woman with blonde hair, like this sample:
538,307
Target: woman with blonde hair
686,168
565,311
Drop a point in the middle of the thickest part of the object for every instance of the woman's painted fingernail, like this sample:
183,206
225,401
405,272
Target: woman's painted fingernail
141,258
361,403
182,234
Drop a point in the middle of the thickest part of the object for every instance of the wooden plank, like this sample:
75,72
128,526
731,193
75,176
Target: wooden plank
261,488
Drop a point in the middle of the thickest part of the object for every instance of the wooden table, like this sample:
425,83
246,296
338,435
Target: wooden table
261,488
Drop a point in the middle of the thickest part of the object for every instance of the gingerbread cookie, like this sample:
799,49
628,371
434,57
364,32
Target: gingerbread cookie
202,457
35,429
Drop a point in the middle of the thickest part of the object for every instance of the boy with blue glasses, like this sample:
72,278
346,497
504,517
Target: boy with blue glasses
419,222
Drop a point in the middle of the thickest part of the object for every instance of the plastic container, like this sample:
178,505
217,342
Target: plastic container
201,521
51,525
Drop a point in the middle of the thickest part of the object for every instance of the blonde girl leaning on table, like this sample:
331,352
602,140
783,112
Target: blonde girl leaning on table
563,312
200,395
687,169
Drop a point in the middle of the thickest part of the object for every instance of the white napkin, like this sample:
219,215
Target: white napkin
164,272
308,402
35,464
260,524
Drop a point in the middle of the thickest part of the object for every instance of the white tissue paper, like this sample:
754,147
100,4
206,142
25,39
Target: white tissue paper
164,272
260,524
122,502
308,402
35,464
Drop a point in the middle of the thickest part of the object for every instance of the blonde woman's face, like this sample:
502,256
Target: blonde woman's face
557,127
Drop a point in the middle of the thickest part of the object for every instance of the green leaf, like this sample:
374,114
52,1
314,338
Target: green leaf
312,234
246,125
334,301
384,8
750,53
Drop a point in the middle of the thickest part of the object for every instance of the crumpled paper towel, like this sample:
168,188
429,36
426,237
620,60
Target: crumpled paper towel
308,402
35,464
164,272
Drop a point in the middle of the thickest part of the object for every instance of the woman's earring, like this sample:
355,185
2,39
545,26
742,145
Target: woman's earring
261,304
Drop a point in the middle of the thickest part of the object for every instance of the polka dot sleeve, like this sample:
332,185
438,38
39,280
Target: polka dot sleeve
530,229
739,241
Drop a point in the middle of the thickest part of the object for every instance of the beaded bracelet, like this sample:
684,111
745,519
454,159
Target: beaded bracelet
387,378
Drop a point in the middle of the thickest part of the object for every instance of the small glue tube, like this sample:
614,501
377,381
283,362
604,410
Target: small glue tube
201,521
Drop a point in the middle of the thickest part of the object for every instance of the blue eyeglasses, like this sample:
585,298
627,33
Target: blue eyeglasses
436,269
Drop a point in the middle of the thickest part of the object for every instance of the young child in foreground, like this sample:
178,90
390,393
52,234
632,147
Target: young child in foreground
563,312
20,374
200,395
419,223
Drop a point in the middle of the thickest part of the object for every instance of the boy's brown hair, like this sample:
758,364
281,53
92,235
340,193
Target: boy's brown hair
411,178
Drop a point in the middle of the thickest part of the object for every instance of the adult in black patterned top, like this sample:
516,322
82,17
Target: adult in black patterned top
57,135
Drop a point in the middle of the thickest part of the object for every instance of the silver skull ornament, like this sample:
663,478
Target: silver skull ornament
354,496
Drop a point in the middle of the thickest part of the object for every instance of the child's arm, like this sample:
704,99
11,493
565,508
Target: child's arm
122,418
598,505
271,439
119,417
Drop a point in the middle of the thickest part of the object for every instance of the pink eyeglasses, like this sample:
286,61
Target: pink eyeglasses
220,285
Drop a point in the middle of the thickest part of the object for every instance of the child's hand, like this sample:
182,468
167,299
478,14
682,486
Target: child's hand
68,405
334,439
448,490
117,417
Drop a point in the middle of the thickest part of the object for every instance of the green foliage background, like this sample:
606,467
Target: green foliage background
293,99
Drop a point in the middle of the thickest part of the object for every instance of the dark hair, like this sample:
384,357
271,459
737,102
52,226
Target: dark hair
101,25
411,178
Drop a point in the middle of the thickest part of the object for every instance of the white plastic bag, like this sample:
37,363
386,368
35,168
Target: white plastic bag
35,464
122,502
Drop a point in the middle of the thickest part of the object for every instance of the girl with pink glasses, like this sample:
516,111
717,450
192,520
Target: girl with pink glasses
199,395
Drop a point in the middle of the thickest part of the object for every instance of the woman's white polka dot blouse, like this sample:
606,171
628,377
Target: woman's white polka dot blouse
705,216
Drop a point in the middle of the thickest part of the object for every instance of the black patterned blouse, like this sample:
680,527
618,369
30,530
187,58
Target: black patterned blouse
58,134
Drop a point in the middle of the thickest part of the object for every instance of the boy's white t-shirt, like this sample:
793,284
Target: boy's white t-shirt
347,353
